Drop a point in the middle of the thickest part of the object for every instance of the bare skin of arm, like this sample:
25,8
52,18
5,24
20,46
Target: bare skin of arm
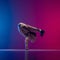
26,42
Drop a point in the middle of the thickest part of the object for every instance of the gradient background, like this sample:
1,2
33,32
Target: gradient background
43,14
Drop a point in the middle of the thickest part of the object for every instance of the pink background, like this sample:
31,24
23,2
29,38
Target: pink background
43,14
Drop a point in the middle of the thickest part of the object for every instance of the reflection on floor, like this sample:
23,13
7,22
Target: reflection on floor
33,54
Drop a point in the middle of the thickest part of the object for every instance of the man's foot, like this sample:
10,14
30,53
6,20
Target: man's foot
42,32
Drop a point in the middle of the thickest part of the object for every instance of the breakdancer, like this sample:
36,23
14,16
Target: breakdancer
29,32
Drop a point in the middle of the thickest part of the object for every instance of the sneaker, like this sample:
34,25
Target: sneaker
42,32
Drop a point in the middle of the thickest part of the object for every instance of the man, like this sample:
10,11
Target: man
29,32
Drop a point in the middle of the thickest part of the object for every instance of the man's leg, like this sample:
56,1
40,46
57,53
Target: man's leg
33,28
37,29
